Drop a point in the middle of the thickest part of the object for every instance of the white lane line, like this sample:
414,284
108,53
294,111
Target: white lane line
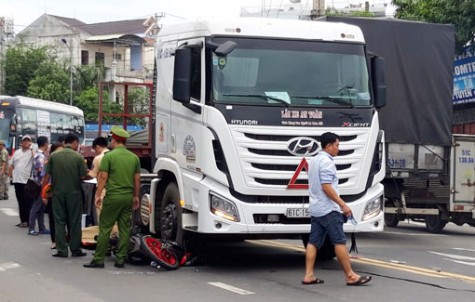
415,234
452,256
462,262
9,211
463,249
8,265
231,288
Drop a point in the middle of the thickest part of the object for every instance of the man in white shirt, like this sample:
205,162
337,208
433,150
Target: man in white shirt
328,212
99,145
20,171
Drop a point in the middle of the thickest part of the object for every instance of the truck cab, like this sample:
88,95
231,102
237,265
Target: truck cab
239,109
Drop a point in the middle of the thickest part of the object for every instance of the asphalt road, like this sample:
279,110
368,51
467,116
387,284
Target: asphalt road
406,264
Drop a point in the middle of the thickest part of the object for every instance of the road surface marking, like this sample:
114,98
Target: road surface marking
385,264
463,249
9,211
452,256
8,265
415,234
231,288
462,262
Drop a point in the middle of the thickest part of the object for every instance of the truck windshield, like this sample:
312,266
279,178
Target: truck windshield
291,73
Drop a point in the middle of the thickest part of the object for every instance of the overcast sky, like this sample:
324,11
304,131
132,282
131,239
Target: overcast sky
24,12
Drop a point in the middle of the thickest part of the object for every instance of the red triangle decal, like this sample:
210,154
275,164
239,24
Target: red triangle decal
292,185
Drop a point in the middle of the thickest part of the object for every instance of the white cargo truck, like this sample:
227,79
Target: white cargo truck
239,105
430,171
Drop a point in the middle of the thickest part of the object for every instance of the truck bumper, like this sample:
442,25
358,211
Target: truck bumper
207,222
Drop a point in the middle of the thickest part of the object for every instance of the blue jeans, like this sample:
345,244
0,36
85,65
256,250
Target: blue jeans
37,213
331,225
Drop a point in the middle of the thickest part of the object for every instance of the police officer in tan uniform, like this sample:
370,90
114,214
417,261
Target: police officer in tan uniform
4,183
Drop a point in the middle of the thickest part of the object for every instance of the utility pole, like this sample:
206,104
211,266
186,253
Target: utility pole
2,55
70,71
6,33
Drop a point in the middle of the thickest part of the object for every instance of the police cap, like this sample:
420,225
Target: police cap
118,133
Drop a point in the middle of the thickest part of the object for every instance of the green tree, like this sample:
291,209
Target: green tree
88,76
21,62
88,101
51,82
460,13
138,101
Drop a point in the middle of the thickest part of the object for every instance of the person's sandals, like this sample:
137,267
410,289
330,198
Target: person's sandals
53,246
315,281
361,281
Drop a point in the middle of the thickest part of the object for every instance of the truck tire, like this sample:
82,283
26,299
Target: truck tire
391,220
170,215
435,224
142,214
326,252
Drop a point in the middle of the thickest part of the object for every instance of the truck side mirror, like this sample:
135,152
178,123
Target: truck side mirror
379,82
182,76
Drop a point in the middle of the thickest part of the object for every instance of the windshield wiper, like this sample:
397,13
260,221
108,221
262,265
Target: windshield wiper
261,96
334,100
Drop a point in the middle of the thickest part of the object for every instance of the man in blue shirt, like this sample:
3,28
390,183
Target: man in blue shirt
327,211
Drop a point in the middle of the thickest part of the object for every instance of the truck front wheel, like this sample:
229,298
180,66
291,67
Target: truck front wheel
434,223
170,215
326,252
391,220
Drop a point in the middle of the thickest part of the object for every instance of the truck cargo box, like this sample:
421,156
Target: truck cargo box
419,70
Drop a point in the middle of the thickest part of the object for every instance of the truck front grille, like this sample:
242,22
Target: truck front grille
267,162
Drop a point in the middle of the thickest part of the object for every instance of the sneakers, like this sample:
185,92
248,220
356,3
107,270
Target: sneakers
35,233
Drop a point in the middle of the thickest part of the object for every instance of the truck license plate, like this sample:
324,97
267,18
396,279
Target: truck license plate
297,213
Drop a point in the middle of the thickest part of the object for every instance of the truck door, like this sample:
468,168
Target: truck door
163,83
187,121
463,173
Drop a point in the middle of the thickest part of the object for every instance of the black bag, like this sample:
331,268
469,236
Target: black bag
32,188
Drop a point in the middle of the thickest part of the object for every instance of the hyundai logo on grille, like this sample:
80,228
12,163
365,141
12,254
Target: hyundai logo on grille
303,146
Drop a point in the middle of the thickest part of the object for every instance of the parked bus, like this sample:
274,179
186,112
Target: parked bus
21,115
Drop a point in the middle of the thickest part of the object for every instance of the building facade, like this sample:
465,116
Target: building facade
119,46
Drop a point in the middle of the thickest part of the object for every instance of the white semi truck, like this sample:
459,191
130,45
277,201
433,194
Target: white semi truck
239,105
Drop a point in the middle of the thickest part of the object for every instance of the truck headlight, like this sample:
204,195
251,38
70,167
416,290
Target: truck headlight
223,208
372,209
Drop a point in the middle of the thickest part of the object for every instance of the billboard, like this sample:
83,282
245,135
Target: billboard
464,78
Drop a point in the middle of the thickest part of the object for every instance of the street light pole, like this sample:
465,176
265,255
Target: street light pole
70,71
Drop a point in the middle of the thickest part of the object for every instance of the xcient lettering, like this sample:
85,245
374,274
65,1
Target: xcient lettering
244,122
